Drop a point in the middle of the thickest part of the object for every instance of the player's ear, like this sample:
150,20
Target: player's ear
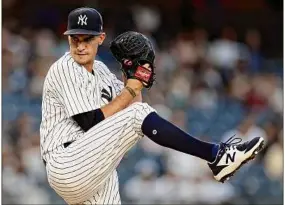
101,37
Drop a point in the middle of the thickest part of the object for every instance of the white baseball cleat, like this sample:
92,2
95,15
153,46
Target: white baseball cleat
231,156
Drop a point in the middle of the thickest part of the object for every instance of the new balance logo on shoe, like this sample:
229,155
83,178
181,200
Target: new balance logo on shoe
230,156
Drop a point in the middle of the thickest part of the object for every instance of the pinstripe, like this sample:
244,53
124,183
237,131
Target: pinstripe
110,190
66,155
116,199
87,107
56,83
49,142
85,171
80,174
106,190
83,192
92,172
68,89
49,106
80,194
101,130
103,180
118,85
124,149
73,177
73,169
87,102
76,93
64,127
62,79
94,197
69,93
114,191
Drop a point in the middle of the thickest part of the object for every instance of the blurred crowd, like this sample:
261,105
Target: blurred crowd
213,89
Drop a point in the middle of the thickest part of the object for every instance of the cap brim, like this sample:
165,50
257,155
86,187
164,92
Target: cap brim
81,31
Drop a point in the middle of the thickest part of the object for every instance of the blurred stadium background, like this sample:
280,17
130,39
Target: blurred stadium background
220,72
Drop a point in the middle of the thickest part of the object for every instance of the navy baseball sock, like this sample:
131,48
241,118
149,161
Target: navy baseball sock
168,135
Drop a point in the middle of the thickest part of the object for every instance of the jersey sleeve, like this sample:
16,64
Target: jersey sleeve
73,90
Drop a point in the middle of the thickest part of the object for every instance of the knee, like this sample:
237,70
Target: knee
140,111
142,108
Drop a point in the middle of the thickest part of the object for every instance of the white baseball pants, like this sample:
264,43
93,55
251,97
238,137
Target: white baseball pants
85,171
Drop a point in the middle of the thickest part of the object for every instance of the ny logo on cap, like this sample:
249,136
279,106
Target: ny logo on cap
82,20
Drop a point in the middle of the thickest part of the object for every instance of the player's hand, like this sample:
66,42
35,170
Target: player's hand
136,84
147,66
134,50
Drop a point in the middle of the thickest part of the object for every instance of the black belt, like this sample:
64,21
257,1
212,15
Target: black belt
64,145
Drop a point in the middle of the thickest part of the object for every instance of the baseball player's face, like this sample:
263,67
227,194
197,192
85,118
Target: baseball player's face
83,48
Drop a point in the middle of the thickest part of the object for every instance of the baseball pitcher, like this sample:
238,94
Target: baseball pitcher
90,119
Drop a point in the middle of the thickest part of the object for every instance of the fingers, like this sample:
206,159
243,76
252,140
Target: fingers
147,65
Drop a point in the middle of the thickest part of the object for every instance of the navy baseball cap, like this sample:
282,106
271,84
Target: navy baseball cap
84,21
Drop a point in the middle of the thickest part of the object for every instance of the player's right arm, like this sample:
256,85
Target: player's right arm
84,108
88,119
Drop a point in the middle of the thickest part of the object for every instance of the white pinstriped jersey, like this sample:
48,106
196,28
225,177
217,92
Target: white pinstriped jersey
69,89
85,171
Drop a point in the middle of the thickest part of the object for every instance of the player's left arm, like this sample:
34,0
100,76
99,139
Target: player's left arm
138,98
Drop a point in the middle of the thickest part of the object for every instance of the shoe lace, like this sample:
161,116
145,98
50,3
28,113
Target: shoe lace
231,142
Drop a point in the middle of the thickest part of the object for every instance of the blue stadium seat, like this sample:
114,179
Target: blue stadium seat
214,123
11,105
